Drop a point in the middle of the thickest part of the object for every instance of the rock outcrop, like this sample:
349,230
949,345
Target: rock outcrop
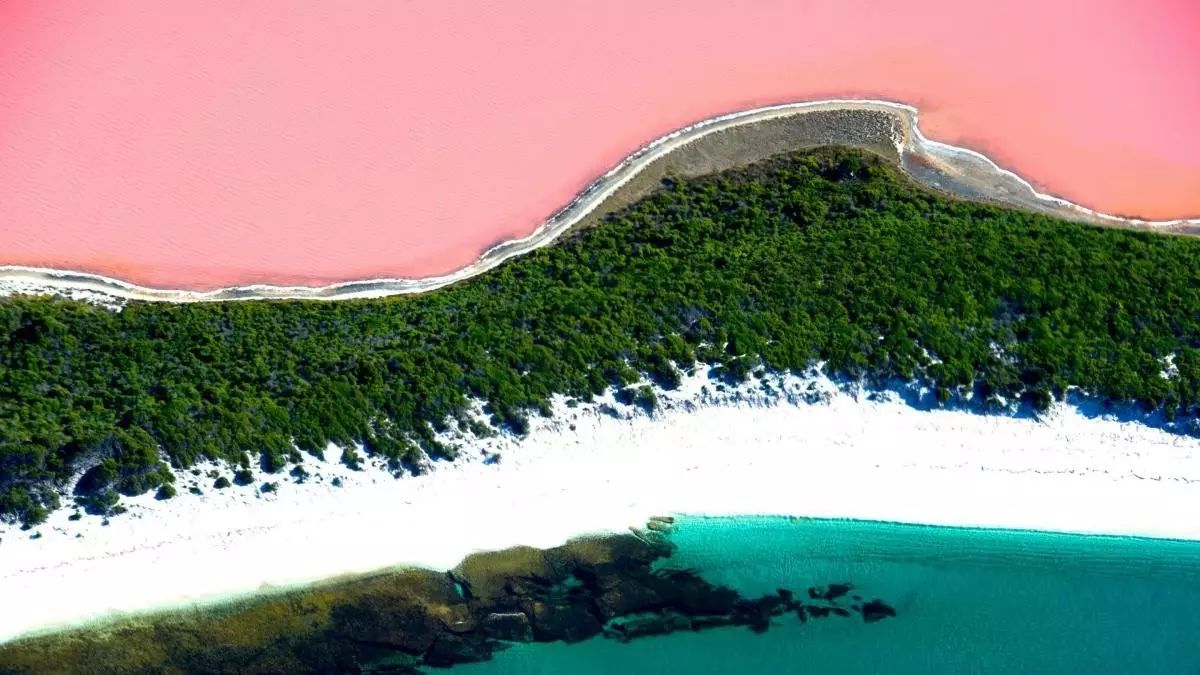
404,620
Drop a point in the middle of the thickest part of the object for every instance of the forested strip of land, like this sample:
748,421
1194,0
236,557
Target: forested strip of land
829,256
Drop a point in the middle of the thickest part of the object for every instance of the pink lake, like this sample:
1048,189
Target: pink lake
210,144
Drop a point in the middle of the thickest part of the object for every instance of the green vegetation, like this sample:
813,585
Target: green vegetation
829,256
398,620
642,397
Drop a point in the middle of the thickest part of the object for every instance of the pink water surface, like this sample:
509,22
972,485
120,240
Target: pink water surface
202,144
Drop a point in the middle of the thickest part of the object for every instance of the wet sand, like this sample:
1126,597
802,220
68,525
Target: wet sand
229,145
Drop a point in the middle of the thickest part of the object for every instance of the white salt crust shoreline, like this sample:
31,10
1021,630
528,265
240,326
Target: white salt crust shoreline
746,453
953,168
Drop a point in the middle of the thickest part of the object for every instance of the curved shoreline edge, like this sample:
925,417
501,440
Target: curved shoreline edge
822,450
959,171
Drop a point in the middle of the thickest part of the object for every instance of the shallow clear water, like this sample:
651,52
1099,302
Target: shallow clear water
968,601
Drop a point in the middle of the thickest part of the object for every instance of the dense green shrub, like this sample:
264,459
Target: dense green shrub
20,501
299,474
646,399
827,256
352,459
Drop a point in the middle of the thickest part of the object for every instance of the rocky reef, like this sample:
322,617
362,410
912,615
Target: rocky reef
407,621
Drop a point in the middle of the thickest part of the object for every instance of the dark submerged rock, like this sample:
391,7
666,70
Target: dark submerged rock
757,614
450,649
403,621
644,625
692,595
507,626
830,592
876,610
569,622
626,596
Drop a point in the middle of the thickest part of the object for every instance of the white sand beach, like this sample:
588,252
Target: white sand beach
591,471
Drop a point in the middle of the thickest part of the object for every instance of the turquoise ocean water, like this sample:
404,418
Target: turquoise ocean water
968,601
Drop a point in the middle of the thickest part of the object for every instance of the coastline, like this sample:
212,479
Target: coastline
804,448
947,168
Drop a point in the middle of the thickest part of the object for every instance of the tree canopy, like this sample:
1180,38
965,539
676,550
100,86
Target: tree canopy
829,256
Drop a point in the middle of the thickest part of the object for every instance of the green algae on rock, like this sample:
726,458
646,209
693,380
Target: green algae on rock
403,620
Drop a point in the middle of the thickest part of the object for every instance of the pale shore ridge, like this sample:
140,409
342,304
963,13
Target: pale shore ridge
801,446
946,167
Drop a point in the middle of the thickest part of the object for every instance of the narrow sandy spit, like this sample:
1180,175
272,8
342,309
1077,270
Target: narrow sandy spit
946,167
806,449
